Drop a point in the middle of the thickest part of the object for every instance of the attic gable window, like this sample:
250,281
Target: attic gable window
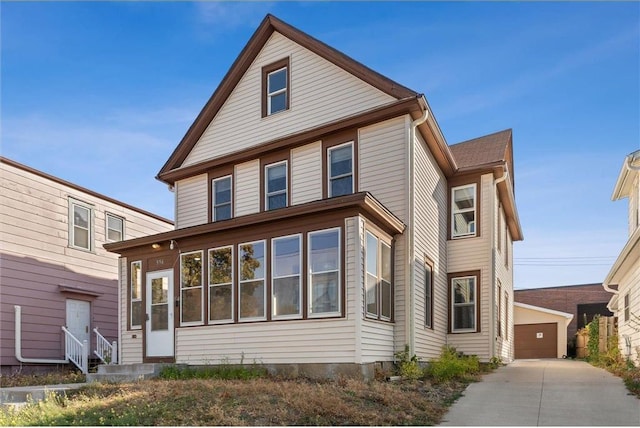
275,87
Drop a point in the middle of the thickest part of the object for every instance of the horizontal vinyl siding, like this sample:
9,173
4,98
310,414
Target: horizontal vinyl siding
382,160
504,273
320,93
630,284
192,201
430,241
247,188
36,260
469,254
306,173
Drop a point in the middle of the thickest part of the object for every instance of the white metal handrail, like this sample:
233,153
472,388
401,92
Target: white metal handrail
107,352
77,352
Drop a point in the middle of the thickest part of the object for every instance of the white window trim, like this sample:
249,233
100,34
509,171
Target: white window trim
229,320
132,300
278,92
201,322
367,273
353,166
454,211
273,278
106,226
266,184
75,202
213,196
475,305
310,273
241,281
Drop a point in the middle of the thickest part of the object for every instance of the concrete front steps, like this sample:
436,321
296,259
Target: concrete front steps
125,372
19,396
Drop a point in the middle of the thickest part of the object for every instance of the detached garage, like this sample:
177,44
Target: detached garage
539,332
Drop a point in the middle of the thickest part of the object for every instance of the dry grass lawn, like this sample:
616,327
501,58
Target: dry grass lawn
257,402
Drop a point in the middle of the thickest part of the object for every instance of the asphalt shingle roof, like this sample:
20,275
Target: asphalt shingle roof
482,150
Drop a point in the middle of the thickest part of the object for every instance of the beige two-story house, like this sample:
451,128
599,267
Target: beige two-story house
322,221
623,280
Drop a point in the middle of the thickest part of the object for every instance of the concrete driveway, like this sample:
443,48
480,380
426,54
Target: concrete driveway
546,393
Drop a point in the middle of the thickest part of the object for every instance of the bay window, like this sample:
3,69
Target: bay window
378,290
463,211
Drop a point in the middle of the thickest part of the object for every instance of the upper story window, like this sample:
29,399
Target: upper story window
115,228
378,291
222,191
340,170
275,186
463,211
80,225
275,87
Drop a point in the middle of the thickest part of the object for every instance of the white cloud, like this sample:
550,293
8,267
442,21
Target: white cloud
231,14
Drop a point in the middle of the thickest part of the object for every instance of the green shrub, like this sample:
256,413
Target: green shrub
408,365
453,365
222,371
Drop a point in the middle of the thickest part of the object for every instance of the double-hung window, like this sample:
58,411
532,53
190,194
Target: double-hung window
463,211
340,170
286,286
324,272
463,304
275,186
428,295
627,313
80,225
379,293
275,84
251,266
135,315
222,191
191,288
499,314
114,228
221,285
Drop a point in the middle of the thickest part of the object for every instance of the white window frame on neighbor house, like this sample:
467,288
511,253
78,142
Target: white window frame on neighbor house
331,178
215,204
262,279
336,268
461,211
108,216
473,304
73,203
184,288
213,285
135,283
276,275
285,191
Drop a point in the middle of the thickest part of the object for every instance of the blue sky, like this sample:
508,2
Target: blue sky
101,93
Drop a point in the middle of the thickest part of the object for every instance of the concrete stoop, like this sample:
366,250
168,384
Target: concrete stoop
20,396
117,373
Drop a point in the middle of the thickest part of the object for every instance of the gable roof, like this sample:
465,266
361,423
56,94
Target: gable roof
269,25
486,151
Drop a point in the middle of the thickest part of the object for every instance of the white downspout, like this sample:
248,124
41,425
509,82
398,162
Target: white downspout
18,340
410,246
492,293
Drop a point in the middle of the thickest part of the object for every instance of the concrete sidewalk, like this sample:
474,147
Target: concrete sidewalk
546,393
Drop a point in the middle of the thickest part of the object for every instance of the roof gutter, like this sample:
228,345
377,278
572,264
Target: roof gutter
410,241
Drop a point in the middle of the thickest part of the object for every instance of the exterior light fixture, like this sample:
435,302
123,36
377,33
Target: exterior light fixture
155,246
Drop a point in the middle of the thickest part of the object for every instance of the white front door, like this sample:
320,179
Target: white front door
79,319
159,325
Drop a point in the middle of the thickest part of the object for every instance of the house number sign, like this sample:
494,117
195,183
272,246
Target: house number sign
539,335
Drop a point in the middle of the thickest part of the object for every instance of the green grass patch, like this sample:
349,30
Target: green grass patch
223,371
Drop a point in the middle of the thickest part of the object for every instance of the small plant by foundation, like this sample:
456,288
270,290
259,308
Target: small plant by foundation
452,365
